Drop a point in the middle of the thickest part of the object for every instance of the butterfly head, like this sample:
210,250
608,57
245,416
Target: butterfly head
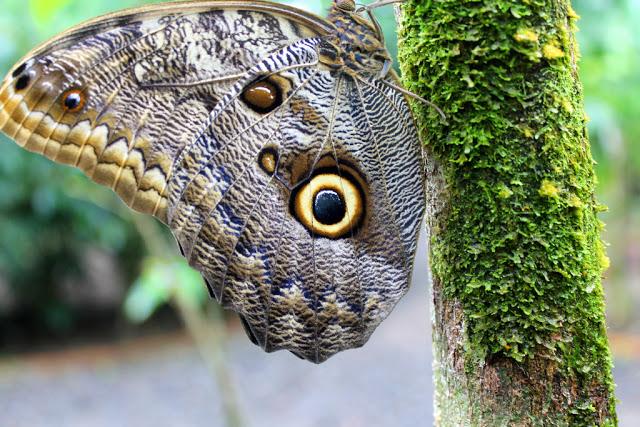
346,5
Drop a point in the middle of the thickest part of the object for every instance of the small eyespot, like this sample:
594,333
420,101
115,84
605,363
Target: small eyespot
73,100
262,96
19,70
331,204
268,160
23,82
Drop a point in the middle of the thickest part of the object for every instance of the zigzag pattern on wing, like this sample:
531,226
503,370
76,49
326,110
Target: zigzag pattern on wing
217,197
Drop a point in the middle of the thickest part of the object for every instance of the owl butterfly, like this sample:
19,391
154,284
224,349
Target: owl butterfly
276,145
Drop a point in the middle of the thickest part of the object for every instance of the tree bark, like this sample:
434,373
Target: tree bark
515,248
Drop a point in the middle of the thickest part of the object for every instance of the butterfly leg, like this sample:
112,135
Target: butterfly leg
386,67
416,97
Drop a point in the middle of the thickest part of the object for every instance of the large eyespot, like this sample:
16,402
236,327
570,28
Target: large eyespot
73,100
330,204
262,96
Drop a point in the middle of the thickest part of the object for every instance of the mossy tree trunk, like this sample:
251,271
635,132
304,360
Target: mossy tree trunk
516,255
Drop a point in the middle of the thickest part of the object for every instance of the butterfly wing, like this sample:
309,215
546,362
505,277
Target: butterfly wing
220,119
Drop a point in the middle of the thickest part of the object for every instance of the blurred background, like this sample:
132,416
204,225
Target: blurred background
102,323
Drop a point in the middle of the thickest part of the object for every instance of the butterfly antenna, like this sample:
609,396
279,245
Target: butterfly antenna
418,98
376,4
369,9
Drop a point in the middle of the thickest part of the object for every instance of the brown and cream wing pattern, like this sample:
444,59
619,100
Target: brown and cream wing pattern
251,226
291,182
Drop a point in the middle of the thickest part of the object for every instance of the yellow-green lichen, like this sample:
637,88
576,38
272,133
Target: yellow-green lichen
551,51
548,189
566,105
526,35
572,13
603,260
526,130
504,192
575,202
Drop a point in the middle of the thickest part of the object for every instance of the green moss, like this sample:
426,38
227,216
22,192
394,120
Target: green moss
519,244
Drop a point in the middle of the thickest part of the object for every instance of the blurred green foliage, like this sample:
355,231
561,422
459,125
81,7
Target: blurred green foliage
51,214
609,39
45,229
610,64
160,282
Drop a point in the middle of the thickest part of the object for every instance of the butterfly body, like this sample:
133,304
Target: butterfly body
267,139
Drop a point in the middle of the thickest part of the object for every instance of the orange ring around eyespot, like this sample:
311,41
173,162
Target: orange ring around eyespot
81,100
348,191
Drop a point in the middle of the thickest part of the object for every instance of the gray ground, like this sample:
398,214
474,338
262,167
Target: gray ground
165,383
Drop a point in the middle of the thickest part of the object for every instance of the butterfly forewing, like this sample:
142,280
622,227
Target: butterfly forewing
142,77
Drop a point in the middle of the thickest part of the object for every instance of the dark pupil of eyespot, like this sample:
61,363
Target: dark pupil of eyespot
72,101
328,207
22,82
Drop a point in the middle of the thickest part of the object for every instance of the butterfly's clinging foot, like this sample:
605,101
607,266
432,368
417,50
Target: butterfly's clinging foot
418,98
386,67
